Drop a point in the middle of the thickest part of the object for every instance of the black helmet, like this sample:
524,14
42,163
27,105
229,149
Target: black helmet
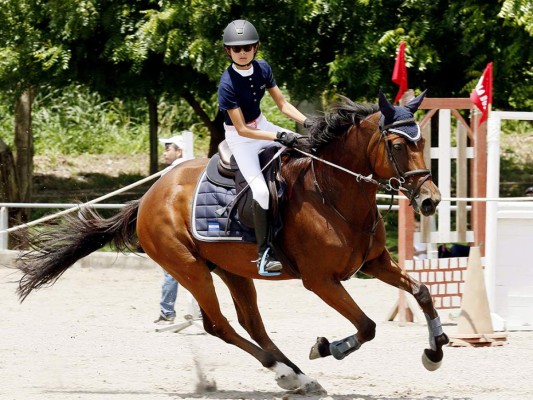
240,32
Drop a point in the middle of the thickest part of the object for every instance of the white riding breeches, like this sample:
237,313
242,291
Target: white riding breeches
246,150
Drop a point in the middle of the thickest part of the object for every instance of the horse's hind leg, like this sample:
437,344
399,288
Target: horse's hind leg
386,270
288,375
243,292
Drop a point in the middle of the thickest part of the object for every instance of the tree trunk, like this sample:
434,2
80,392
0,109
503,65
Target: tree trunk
215,127
8,177
154,125
24,150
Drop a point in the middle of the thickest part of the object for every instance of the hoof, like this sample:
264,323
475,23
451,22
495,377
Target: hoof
314,353
320,349
429,364
286,378
310,388
294,383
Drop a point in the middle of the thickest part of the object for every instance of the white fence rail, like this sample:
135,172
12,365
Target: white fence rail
4,219
4,214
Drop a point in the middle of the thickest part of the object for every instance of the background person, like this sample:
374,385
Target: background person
173,155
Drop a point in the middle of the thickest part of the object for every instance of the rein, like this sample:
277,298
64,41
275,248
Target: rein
358,177
394,183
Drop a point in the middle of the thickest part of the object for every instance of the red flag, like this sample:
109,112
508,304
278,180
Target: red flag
399,74
481,96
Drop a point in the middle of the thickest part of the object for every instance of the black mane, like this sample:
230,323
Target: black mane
336,121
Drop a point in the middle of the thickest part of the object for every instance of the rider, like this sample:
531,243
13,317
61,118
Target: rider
242,86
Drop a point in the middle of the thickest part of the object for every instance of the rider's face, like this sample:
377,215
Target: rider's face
242,55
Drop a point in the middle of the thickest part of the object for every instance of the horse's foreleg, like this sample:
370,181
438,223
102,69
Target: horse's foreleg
288,375
389,272
334,294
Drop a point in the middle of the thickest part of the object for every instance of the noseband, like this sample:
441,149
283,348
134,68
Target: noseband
403,180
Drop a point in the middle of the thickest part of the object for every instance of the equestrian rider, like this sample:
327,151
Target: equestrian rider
242,86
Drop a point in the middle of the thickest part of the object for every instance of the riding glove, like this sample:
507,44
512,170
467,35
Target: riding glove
288,139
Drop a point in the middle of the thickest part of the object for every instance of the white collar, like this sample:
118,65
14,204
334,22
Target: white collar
243,72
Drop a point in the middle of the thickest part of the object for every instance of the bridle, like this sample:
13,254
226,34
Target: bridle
402,180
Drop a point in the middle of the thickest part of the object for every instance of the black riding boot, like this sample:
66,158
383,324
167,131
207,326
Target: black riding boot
261,234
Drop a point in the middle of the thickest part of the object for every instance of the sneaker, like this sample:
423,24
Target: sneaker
268,263
164,320
273,265
268,266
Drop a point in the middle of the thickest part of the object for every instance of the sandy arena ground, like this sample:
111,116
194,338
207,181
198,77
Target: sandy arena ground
90,337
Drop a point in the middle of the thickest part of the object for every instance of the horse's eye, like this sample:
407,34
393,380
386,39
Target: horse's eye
397,147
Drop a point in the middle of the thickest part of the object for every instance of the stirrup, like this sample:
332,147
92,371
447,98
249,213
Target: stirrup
262,265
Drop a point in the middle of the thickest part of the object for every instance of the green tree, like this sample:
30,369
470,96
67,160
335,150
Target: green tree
518,13
22,70
121,54
153,49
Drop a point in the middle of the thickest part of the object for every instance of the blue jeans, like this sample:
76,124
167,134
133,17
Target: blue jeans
169,292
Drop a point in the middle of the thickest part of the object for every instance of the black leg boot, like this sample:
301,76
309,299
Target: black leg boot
261,234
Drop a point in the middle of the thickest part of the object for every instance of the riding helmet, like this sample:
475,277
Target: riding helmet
239,33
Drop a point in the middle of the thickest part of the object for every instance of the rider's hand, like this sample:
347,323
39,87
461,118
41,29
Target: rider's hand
288,139
307,123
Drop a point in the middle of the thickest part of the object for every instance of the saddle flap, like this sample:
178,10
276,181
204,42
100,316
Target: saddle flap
227,165
214,175
218,173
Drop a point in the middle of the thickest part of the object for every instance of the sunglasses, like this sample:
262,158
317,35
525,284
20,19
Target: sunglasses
246,48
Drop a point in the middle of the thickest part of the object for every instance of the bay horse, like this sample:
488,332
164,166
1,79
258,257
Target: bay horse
331,229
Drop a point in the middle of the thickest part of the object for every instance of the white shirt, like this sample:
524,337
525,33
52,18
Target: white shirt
174,163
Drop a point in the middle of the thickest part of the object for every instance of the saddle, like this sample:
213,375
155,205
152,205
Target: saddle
222,170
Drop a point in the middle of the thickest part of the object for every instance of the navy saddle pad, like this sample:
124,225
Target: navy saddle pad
208,221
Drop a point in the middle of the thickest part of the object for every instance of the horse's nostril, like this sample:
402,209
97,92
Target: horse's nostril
428,207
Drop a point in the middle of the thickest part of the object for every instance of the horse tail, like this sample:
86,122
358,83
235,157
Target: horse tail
54,250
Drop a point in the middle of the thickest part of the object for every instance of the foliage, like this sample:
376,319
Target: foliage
78,121
516,165
95,62
75,121
519,13
133,49
317,48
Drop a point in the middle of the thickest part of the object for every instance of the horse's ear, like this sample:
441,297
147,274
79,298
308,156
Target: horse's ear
385,107
415,103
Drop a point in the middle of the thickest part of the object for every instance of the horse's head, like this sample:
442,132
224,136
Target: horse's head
401,147
358,139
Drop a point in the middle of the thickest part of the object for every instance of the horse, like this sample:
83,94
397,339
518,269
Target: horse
331,229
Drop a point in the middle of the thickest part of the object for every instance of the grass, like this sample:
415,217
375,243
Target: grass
516,160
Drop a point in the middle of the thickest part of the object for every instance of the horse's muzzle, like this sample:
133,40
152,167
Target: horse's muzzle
429,206
428,200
